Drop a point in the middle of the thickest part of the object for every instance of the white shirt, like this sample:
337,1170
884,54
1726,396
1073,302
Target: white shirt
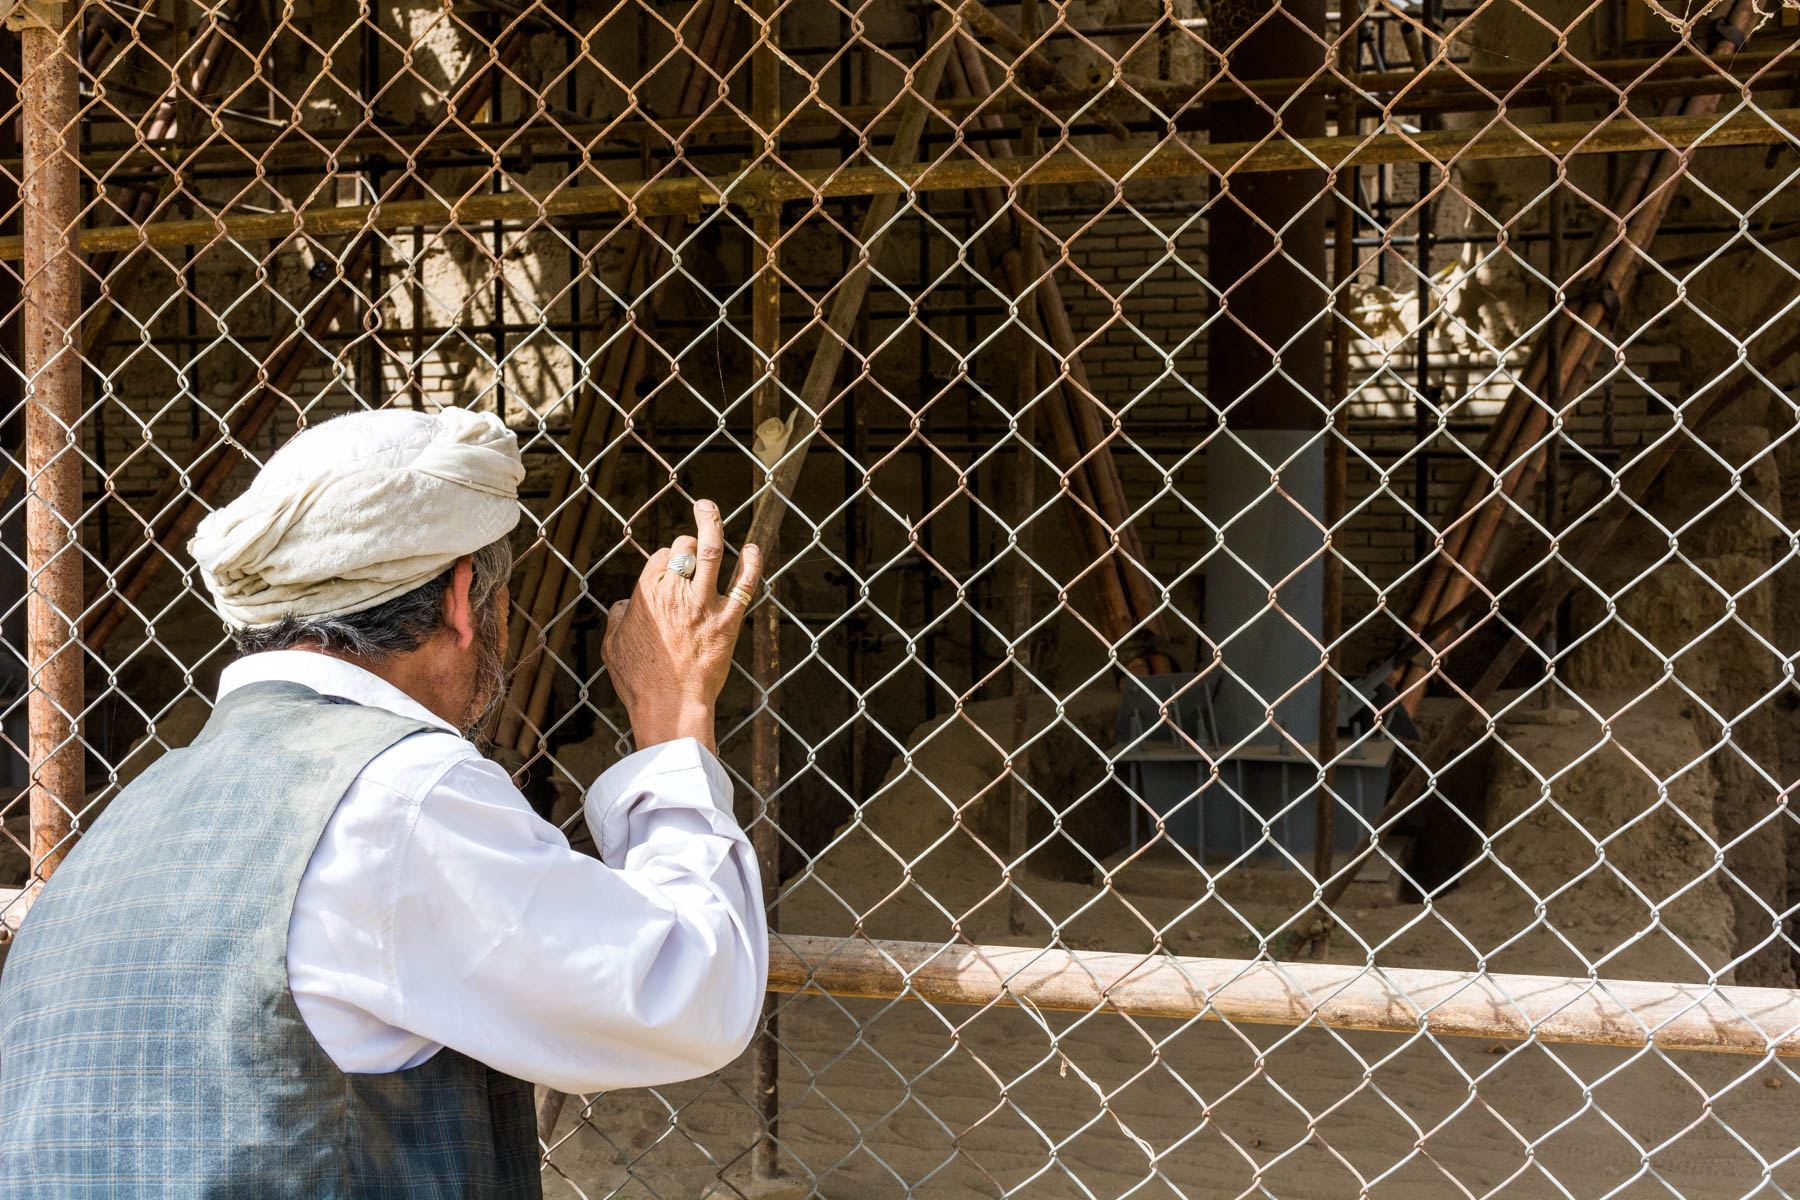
439,910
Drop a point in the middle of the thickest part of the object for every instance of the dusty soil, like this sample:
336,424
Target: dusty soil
886,1097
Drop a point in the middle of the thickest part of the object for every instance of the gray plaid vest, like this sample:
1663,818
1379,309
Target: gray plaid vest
149,1045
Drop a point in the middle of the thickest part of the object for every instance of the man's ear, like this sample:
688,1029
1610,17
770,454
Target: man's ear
459,617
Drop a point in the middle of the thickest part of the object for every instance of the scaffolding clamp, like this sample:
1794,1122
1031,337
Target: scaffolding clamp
754,191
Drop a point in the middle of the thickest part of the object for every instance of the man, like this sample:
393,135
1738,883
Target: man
318,952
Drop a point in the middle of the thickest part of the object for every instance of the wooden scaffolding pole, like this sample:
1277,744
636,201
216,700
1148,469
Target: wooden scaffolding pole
820,385
1626,1013
546,593
1095,494
1515,452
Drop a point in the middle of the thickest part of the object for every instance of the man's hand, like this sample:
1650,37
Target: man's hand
669,646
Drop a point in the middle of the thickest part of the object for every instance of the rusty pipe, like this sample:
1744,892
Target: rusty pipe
50,195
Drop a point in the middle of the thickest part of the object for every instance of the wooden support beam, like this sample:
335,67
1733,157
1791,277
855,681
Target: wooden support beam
1592,1012
546,592
1075,432
1514,453
1582,555
1384,92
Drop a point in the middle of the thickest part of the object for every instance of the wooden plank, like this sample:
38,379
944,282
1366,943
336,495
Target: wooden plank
1606,1012
1595,1012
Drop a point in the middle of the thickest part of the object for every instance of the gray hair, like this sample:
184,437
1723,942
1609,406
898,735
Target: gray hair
397,626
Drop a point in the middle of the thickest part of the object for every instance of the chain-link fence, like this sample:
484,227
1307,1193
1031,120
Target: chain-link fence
1172,411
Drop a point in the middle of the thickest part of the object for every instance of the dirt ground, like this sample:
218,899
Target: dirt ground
890,1098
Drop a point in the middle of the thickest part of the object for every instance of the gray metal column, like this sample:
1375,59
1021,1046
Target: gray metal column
1266,374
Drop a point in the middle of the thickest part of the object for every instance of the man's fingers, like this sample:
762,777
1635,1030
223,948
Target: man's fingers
614,615
710,545
667,579
748,577
749,569
653,570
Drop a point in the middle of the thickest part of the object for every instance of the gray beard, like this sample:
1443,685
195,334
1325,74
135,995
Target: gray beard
490,674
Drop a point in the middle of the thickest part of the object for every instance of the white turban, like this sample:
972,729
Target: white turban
358,510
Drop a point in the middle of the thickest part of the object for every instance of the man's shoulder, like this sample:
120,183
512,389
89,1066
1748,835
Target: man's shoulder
438,781
427,778
417,764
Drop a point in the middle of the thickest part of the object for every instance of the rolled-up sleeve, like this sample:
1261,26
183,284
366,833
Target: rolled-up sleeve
644,968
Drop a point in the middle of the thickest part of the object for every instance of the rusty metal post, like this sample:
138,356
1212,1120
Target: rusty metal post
859,524
1331,628
1553,382
765,736
765,628
1018,801
1025,501
50,192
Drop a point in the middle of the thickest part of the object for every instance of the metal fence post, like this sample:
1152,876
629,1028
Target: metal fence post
50,194
1025,503
765,621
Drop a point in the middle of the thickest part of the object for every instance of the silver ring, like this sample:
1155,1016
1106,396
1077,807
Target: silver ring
683,565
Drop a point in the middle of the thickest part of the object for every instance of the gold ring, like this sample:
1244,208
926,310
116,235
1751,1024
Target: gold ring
742,595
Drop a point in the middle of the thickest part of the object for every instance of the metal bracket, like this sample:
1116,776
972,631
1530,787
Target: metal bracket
27,14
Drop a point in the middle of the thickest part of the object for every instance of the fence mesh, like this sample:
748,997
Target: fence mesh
1186,410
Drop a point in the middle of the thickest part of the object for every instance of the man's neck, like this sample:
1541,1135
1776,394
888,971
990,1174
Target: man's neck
422,674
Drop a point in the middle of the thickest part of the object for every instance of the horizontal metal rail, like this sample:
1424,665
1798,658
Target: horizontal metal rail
1472,84
692,196
1545,1008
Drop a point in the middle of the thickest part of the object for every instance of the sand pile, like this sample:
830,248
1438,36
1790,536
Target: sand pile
1613,829
1695,638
